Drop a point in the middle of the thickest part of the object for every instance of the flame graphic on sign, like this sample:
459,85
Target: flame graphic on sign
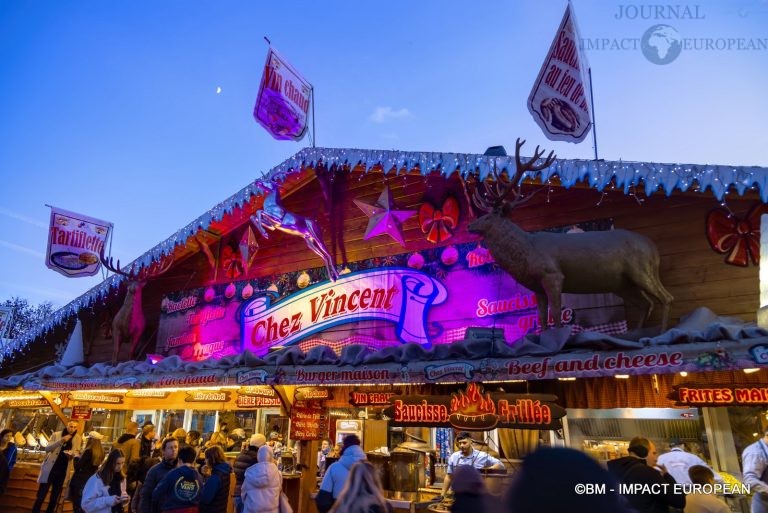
472,402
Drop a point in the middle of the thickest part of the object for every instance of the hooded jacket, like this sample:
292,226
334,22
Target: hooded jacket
336,475
635,471
262,485
215,494
180,488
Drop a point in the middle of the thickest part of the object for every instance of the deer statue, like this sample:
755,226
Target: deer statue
273,216
548,264
129,323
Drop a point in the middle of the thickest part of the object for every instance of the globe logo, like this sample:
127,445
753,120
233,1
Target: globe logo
661,44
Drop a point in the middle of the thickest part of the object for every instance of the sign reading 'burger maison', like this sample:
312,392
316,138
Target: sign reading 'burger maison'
474,410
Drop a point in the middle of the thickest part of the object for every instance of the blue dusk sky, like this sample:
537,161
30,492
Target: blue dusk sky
140,113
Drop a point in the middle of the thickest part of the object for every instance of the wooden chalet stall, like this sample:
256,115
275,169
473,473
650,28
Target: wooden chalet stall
237,322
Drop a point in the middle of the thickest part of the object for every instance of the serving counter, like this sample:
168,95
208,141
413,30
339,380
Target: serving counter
411,502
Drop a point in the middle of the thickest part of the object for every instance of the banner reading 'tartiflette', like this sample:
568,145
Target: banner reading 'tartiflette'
282,106
74,243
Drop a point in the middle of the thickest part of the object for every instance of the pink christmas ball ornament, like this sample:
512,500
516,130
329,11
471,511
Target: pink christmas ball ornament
247,291
450,255
416,261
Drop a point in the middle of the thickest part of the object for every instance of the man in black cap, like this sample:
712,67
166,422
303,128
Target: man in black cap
468,455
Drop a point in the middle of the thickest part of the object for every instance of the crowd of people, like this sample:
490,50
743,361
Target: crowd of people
144,474
548,481
179,474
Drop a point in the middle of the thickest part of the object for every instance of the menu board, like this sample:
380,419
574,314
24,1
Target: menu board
307,422
81,412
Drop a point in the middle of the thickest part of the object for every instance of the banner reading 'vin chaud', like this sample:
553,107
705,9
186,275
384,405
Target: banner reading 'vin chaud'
402,296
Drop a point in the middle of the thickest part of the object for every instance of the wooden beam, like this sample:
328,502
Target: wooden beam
48,396
285,393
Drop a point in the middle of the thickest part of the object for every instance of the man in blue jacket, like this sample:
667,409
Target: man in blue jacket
179,491
336,475
157,473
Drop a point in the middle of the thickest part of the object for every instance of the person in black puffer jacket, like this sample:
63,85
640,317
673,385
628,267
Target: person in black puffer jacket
243,462
547,480
156,474
640,469
85,466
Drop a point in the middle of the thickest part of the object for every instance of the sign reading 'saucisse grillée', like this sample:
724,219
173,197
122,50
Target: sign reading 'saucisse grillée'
473,410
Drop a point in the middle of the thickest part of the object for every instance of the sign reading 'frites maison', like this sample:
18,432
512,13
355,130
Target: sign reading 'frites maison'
719,395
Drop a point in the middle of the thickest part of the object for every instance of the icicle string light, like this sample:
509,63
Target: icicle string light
599,174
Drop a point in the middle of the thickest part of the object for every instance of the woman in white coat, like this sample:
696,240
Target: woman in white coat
105,490
262,484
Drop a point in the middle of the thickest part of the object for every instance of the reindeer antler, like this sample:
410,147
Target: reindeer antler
529,165
107,263
496,197
151,271
155,269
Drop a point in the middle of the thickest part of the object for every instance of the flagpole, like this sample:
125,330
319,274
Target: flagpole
592,104
314,134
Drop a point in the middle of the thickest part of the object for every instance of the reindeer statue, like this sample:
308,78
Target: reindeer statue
548,264
129,323
273,216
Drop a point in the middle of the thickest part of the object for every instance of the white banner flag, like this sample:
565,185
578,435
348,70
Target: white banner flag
282,106
559,100
6,316
74,243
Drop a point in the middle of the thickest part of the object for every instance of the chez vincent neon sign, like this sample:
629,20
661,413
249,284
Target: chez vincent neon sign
399,295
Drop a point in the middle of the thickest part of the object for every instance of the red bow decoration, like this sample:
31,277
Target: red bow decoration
739,238
231,261
436,223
